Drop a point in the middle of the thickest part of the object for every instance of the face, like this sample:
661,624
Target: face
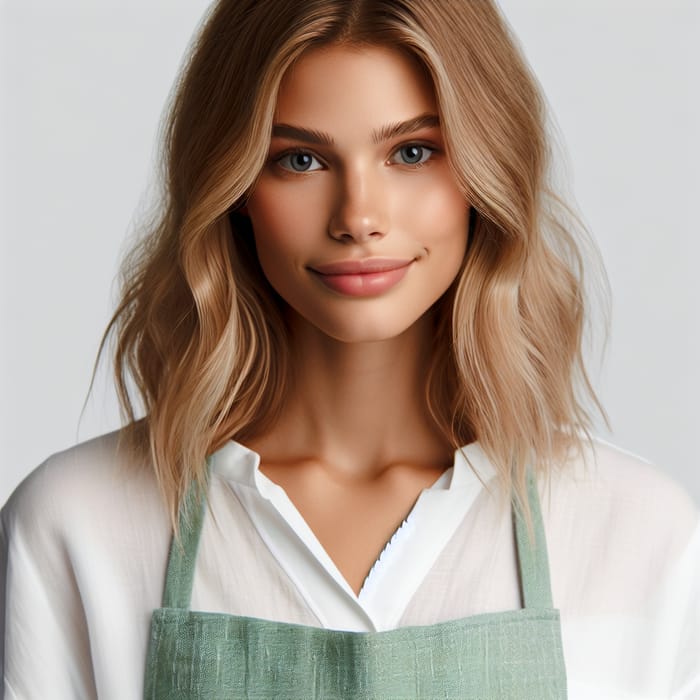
358,221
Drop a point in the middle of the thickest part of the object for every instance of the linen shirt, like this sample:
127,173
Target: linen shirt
85,540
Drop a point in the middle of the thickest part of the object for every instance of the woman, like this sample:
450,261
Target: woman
356,336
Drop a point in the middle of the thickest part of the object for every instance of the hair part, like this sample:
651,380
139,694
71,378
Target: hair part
201,333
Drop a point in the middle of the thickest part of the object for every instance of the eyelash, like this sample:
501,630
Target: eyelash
422,146
277,160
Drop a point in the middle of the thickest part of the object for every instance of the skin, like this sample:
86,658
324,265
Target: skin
355,444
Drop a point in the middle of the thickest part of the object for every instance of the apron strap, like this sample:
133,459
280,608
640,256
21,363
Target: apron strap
533,563
183,554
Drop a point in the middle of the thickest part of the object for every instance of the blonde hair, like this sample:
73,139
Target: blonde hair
199,330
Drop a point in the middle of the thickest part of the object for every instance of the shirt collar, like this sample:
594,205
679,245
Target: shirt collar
238,463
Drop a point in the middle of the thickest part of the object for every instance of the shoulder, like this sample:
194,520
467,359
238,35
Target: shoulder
92,484
83,547
611,477
619,511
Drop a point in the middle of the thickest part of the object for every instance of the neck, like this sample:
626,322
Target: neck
360,407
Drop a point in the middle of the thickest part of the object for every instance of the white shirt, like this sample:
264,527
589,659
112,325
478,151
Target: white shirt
86,539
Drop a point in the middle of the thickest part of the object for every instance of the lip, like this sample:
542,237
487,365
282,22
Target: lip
362,278
361,267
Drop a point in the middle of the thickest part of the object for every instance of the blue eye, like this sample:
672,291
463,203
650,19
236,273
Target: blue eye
299,162
412,154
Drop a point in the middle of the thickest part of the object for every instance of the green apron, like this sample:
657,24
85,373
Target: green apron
513,655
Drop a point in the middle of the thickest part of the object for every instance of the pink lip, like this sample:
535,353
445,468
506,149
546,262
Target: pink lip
360,267
362,278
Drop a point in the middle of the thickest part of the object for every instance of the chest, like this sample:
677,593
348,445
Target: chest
506,655
352,519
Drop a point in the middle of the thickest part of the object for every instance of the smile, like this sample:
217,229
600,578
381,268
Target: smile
362,278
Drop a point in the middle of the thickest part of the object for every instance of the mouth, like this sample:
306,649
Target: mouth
362,278
362,267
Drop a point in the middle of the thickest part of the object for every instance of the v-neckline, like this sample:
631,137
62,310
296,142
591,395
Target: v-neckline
435,516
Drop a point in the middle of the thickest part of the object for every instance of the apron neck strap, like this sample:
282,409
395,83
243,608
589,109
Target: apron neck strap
183,553
533,562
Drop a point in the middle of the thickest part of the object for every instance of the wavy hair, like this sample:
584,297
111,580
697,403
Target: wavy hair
200,339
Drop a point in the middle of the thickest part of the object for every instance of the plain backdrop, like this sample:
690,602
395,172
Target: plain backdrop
82,89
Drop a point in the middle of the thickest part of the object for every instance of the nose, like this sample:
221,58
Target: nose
360,212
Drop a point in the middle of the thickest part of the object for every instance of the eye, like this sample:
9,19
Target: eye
412,154
299,162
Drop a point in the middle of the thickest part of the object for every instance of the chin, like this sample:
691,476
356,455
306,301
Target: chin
357,336
363,330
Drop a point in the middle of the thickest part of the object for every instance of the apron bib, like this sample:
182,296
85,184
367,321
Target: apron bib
513,655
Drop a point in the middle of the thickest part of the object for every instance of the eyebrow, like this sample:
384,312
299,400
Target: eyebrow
385,133
391,131
287,131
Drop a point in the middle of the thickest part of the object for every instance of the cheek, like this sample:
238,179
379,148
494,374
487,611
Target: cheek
285,216
442,219
270,214
270,233
278,222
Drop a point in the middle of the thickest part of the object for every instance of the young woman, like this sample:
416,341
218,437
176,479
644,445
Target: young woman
363,469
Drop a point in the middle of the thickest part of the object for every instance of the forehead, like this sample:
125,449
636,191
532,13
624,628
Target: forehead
344,83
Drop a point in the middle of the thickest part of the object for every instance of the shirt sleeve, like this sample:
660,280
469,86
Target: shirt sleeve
45,642
686,677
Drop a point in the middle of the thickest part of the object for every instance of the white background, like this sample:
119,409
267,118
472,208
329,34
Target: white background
82,87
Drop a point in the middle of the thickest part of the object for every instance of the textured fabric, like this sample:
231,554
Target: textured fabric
500,656
84,547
